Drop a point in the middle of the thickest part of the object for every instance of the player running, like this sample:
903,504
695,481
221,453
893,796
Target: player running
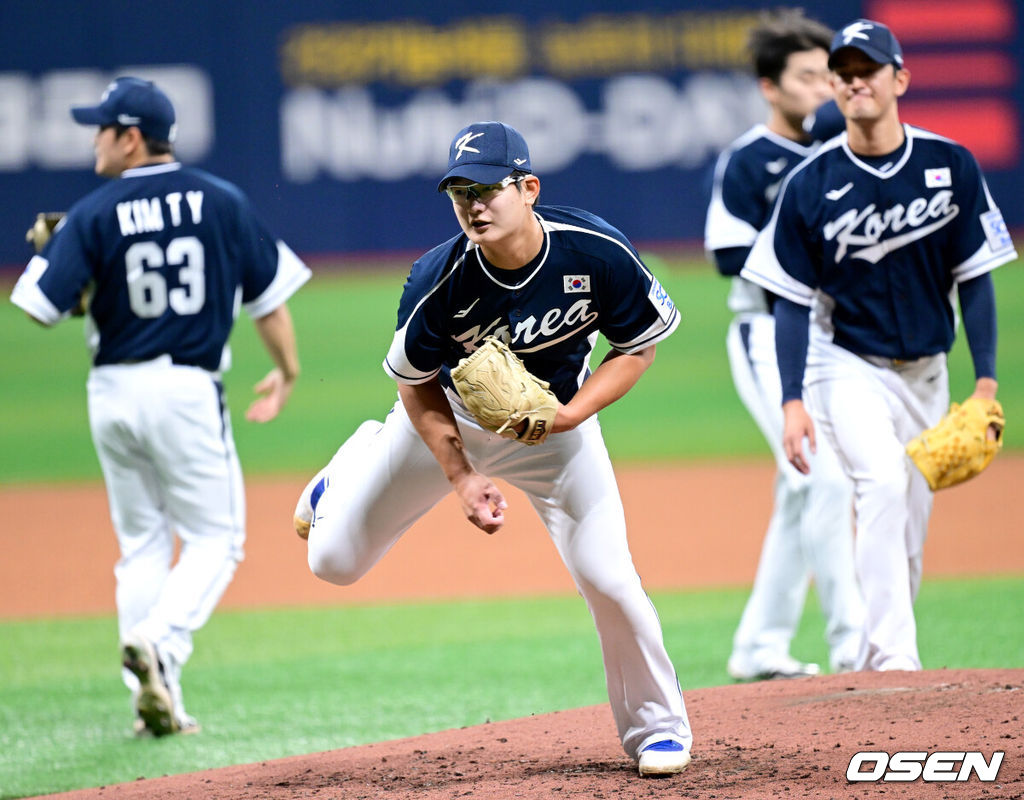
170,252
810,531
871,237
546,280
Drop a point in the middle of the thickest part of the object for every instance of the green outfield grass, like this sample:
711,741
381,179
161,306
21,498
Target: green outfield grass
684,407
267,684
272,683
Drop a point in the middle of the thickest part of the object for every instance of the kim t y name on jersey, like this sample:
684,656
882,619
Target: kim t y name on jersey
171,253
885,240
586,279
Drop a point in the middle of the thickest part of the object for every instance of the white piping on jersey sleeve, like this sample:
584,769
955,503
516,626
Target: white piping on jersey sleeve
763,268
398,366
983,260
396,362
291,274
28,296
654,334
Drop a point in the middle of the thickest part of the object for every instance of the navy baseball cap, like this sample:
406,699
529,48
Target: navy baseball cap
872,38
132,102
486,152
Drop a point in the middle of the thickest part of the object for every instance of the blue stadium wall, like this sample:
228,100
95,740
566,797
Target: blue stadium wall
335,118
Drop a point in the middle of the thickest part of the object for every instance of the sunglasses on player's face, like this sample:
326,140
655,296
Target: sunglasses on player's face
466,195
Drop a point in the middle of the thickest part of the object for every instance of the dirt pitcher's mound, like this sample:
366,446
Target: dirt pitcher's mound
791,739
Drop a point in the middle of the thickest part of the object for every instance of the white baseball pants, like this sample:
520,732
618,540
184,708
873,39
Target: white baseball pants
384,478
163,437
810,532
869,410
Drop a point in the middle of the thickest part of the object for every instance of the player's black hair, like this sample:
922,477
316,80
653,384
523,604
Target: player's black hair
779,34
155,147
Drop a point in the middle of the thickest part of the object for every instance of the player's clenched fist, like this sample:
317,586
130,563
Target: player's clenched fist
481,501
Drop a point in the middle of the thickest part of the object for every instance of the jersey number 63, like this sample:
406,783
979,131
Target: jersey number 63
148,294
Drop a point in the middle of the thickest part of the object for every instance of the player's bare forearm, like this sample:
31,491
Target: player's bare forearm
278,335
614,377
432,417
797,426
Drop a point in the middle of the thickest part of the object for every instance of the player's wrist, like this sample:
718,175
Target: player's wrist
986,388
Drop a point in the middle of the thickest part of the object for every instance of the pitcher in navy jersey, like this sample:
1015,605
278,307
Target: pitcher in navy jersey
547,280
810,532
167,255
873,236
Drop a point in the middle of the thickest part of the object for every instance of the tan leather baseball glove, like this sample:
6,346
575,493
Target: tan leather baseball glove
42,229
958,447
501,393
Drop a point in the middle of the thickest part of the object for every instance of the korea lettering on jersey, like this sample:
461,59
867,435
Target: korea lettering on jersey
173,252
586,279
747,179
884,243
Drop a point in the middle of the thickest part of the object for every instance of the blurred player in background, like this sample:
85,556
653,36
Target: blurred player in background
164,256
871,239
810,530
546,280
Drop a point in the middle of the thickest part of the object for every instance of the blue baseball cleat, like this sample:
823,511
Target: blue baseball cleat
666,757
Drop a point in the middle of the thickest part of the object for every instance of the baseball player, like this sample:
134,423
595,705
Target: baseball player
546,280
169,254
810,531
872,237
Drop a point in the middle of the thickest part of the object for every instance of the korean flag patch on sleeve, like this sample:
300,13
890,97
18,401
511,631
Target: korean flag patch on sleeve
996,234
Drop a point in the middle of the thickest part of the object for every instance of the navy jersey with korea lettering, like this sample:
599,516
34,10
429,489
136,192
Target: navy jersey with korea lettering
747,178
586,279
170,252
885,243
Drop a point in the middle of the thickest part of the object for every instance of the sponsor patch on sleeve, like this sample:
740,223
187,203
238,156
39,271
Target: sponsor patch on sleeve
995,231
661,301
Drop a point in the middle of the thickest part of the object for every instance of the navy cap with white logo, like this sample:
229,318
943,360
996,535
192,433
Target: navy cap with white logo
132,102
486,152
872,38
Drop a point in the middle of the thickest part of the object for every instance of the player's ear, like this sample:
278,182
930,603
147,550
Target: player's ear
902,81
531,189
769,89
132,140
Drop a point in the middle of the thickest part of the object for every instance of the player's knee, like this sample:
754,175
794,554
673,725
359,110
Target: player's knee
607,589
332,566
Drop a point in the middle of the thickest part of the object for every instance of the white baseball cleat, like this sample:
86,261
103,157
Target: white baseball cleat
305,508
154,705
774,669
666,757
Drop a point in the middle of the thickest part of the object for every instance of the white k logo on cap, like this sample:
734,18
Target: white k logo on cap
856,30
462,145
